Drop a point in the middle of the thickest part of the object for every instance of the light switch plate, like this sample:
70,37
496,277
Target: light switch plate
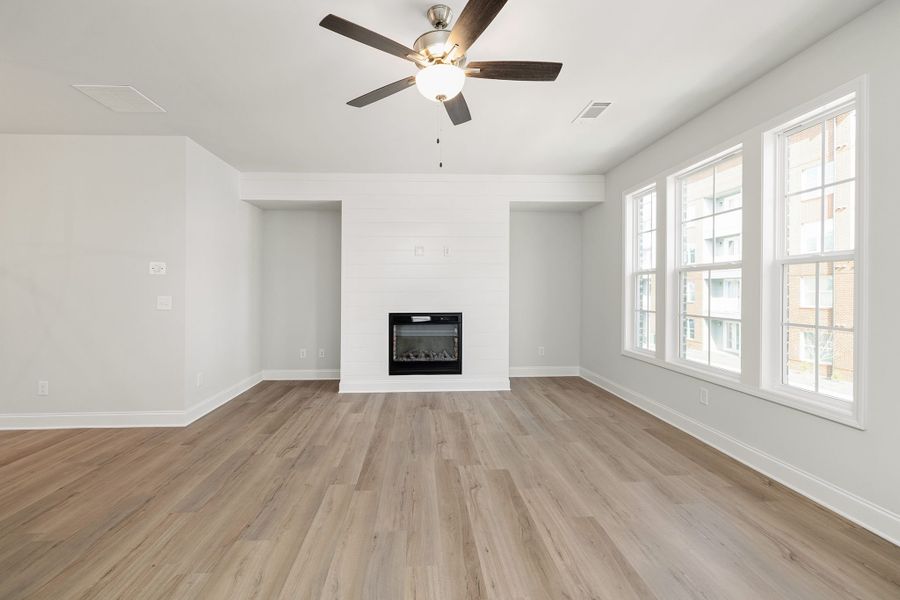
164,303
158,268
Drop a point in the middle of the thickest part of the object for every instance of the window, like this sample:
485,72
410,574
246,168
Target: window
816,257
642,207
710,230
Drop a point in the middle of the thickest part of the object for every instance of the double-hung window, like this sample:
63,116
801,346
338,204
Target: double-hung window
816,258
710,232
642,207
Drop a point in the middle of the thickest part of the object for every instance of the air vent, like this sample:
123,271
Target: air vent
591,111
120,98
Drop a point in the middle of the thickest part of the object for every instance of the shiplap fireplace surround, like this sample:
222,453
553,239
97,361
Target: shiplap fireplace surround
423,243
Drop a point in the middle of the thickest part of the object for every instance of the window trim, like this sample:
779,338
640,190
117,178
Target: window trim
630,274
773,258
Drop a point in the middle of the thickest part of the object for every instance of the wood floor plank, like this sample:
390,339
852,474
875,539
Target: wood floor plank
555,489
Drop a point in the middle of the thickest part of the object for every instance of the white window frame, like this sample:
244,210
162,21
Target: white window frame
632,273
673,232
774,257
758,311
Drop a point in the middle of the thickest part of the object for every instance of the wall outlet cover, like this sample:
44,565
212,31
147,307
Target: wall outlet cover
321,352
302,352
164,303
43,388
158,268
420,250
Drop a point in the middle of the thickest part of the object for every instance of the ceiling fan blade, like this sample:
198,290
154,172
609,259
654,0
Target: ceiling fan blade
369,38
458,109
514,70
383,92
472,21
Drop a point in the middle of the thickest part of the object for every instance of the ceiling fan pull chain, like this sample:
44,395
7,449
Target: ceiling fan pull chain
437,122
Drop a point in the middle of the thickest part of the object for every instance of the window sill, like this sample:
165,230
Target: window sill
776,395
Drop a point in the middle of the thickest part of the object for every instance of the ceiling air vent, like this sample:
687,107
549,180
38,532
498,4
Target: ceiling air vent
591,111
120,98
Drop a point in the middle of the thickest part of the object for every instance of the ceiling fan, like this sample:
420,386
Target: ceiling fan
440,55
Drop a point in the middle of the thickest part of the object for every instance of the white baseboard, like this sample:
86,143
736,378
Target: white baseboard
544,371
213,402
299,374
92,420
412,383
116,420
877,519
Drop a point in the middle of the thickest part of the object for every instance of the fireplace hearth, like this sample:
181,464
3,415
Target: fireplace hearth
425,343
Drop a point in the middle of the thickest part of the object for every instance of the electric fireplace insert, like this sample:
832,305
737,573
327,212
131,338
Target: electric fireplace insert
425,343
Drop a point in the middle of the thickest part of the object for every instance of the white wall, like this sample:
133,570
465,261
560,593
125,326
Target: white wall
544,292
381,274
853,471
222,292
301,290
80,219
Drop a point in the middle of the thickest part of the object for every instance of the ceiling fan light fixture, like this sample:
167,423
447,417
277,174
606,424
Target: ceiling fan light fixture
440,82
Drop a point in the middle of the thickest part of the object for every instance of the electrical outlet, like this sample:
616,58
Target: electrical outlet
200,379
321,352
704,396
541,351
420,251
158,268
446,250
164,303
43,388
302,352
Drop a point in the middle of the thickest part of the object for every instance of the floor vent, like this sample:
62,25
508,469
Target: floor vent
120,98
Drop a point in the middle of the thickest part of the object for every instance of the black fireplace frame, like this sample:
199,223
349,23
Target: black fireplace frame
433,367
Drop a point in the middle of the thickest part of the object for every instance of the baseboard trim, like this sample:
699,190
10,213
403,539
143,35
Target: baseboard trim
299,374
431,384
129,419
213,402
544,371
866,514
92,420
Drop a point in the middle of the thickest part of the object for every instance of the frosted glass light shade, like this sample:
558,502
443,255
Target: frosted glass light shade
440,82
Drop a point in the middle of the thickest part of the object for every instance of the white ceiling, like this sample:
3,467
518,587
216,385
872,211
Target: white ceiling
262,86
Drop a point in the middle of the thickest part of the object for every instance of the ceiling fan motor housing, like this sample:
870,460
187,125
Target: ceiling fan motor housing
433,44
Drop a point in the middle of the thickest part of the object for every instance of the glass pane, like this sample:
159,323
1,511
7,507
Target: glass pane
836,364
645,334
800,357
725,341
727,246
836,292
645,212
697,242
725,293
694,293
800,293
695,349
646,292
697,194
647,251
804,222
840,147
804,159
728,183
840,217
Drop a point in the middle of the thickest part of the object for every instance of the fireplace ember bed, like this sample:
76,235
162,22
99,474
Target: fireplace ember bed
425,343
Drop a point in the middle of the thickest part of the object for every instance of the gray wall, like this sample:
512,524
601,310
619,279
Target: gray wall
862,463
301,288
544,289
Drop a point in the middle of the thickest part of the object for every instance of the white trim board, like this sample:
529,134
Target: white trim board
411,383
864,513
299,374
544,371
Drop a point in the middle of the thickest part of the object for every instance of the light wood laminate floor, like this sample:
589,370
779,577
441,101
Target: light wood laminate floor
553,490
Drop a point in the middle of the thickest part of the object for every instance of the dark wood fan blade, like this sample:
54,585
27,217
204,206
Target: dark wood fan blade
383,92
472,21
367,37
458,109
514,70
